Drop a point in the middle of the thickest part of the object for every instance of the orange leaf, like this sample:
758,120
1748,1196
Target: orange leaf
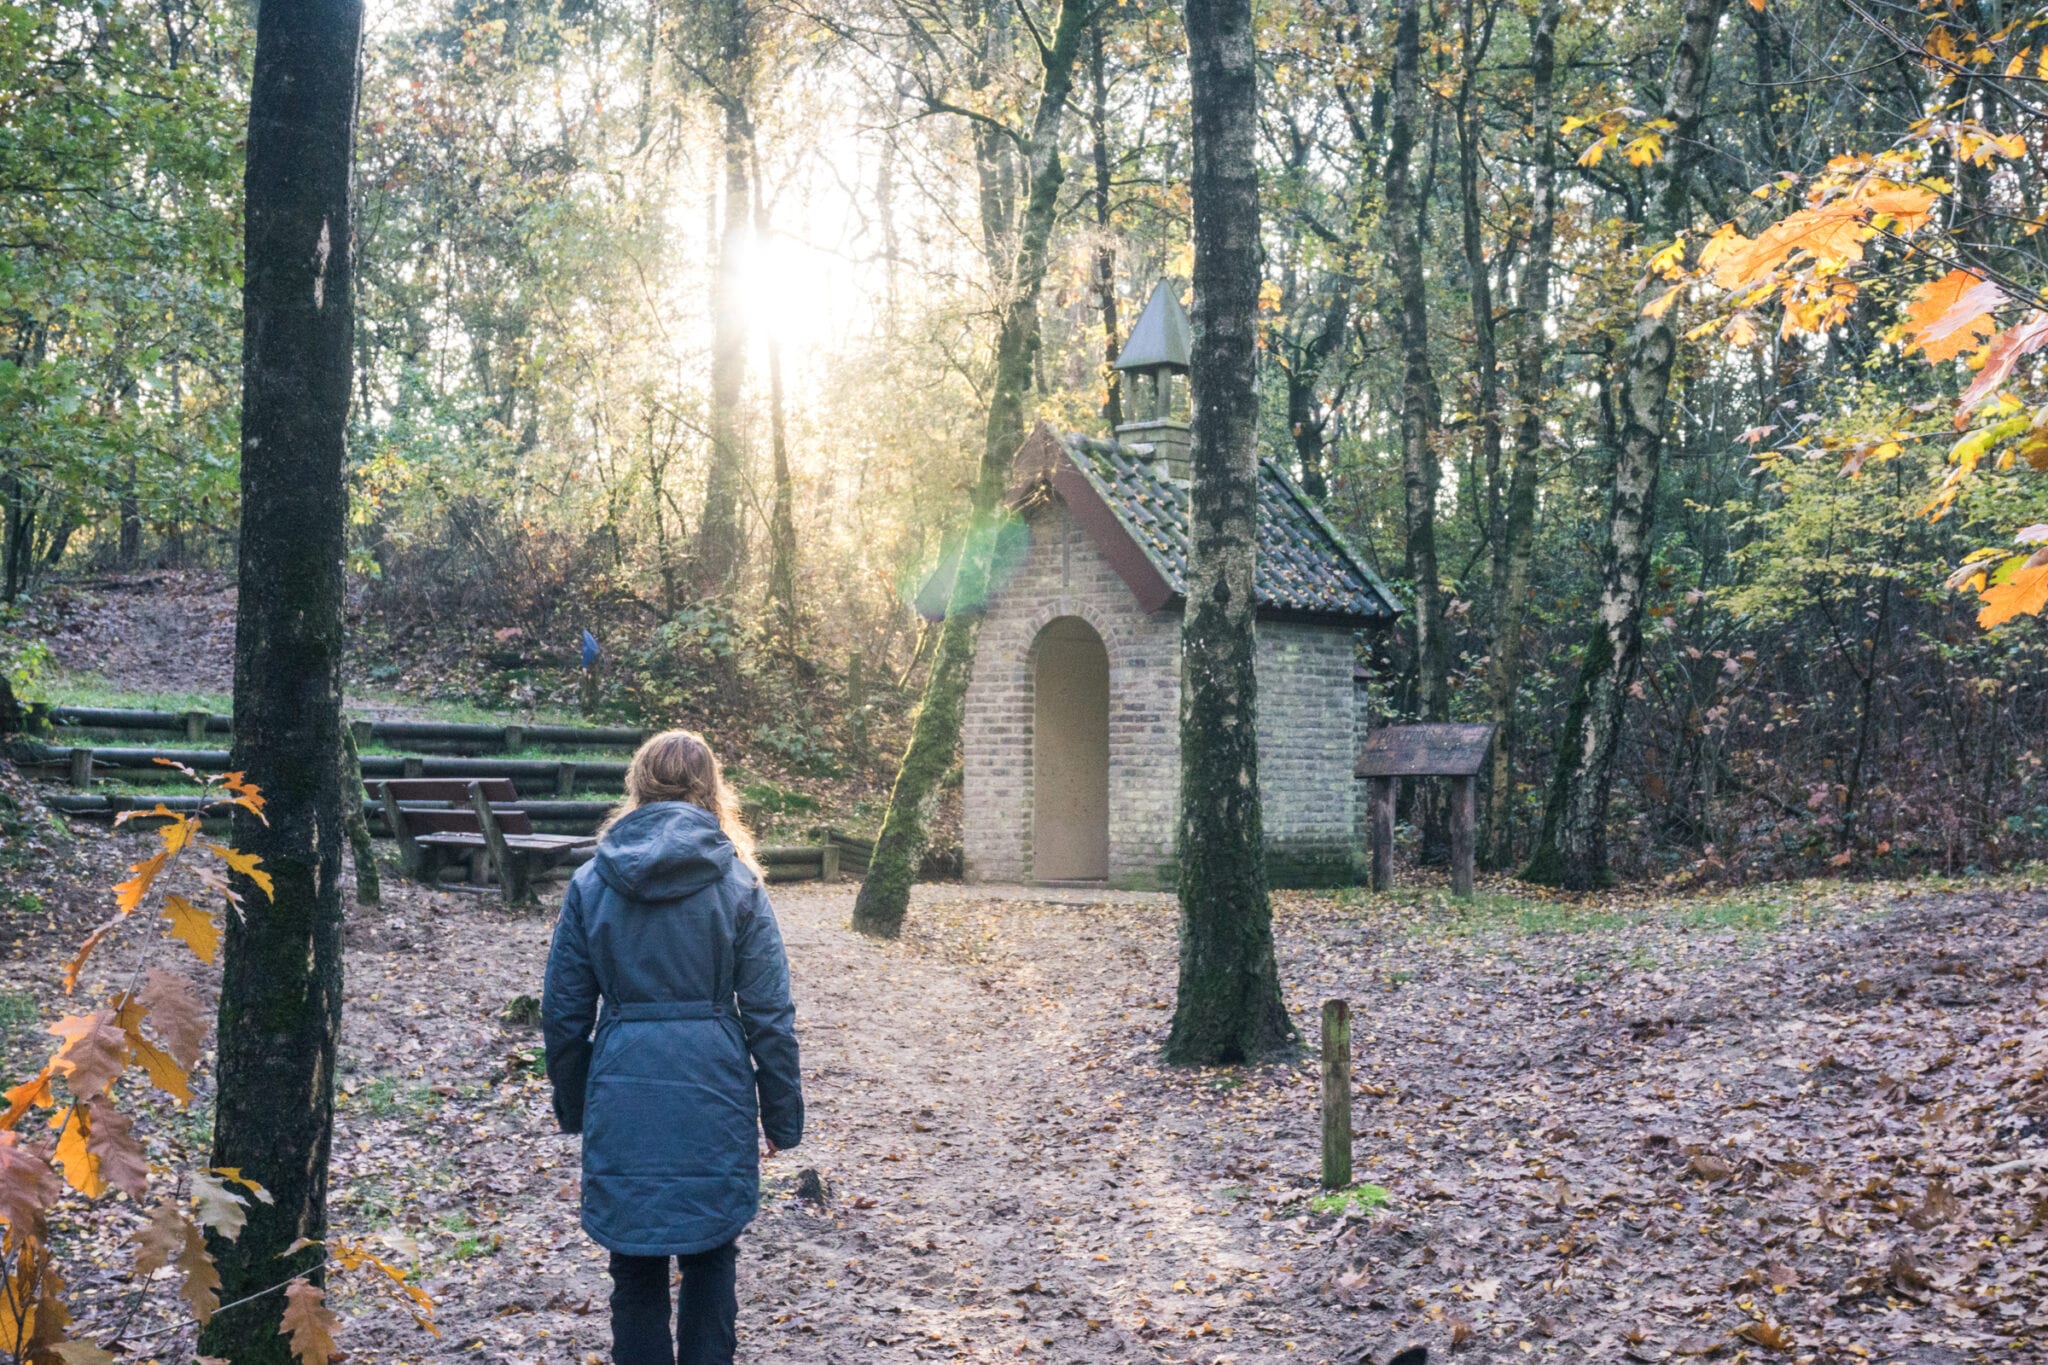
197,927
33,1093
2023,594
128,895
308,1322
77,962
2007,349
28,1187
95,1051
1951,315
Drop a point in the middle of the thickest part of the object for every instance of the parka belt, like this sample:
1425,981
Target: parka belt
639,1011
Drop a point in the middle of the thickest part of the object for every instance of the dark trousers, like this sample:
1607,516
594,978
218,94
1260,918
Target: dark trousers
707,1310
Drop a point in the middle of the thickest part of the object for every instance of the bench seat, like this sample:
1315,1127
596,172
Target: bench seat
439,818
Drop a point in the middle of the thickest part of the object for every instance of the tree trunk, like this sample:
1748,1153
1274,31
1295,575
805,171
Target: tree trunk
1515,547
1228,1007
782,513
718,528
935,735
1476,35
1572,849
1420,473
281,986
1105,249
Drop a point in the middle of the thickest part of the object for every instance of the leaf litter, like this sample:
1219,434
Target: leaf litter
1813,1129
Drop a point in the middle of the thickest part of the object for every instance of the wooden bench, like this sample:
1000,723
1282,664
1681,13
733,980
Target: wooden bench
435,819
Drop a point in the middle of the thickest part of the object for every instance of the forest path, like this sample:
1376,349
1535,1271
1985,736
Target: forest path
1635,1128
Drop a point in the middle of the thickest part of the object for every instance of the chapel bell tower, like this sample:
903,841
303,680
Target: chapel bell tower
1155,364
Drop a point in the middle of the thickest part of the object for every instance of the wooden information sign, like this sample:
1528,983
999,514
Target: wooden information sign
1451,751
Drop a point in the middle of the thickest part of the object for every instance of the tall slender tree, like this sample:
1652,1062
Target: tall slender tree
1421,475
1228,1007
935,735
718,530
1572,849
280,999
1515,546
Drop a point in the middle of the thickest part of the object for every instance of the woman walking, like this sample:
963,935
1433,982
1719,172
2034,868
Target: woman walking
668,949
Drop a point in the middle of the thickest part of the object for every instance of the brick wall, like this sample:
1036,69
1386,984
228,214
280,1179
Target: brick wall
1307,727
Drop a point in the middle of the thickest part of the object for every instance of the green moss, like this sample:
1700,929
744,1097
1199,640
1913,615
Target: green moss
1363,1197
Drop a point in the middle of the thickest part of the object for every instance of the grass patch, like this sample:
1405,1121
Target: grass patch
1763,915
386,1097
66,688
18,1012
1363,1197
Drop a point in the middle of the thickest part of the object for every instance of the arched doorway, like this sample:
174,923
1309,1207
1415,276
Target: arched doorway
1070,754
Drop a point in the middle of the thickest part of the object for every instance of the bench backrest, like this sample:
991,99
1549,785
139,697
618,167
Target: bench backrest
454,790
464,821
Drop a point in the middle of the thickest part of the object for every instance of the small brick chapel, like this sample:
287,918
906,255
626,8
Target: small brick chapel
1071,737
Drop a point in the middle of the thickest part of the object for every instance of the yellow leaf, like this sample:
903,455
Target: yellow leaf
1645,150
247,865
74,1155
1757,5
199,929
1659,306
163,1069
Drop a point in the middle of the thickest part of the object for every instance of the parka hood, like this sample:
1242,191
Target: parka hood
664,851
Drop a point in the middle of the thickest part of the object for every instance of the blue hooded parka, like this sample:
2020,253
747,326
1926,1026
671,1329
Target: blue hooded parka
667,948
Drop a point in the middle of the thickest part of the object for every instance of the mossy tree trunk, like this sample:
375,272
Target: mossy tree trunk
281,986
1572,849
1514,550
1227,1008
935,735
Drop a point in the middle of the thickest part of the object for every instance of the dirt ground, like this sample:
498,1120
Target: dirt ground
1774,1130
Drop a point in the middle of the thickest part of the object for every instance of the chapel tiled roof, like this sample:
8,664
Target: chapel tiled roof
1304,566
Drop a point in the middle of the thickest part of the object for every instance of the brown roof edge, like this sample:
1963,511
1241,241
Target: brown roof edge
1034,463
1107,530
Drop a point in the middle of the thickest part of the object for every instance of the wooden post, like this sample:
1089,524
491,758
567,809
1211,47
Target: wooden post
565,779
1382,833
415,766
828,862
1464,816
195,726
81,768
515,738
362,730
512,877
408,851
1336,1094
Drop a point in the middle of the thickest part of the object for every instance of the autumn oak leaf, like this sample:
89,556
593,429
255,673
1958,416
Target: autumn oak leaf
175,1014
308,1322
95,1051
220,1208
28,1187
248,864
198,928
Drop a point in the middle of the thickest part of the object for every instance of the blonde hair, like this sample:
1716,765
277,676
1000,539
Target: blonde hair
678,765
